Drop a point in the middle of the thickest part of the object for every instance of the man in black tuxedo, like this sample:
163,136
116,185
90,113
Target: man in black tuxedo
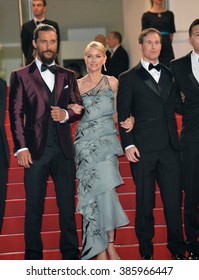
117,57
39,8
40,123
4,150
152,148
186,74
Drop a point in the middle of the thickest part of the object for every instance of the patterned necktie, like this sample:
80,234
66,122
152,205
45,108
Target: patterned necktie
157,67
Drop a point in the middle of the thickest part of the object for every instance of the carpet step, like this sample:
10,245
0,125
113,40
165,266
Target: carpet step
126,252
16,207
50,222
15,242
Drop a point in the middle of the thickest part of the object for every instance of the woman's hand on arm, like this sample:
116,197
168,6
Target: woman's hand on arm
128,124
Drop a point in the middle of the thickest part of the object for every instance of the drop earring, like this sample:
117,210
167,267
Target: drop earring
104,65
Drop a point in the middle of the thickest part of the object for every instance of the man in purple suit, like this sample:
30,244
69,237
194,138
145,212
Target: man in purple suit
40,123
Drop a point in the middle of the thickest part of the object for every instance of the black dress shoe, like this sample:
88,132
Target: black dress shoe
193,256
179,257
147,257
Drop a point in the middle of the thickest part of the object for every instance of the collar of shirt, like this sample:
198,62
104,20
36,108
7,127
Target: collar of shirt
153,72
195,64
36,19
48,77
113,49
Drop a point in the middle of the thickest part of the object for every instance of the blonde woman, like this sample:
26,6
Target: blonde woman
97,149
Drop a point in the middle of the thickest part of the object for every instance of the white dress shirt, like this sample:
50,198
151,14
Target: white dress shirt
153,72
48,77
195,64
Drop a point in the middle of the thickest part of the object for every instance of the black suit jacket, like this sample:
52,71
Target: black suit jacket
30,110
188,84
27,37
5,148
155,121
118,63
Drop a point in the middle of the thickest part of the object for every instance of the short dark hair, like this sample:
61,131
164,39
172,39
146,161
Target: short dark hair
146,31
42,27
194,23
117,35
44,2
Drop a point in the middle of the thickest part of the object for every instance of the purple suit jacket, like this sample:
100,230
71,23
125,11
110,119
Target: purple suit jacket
29,109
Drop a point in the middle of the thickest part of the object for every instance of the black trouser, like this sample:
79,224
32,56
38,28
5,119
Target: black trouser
190,165
164,167
62,170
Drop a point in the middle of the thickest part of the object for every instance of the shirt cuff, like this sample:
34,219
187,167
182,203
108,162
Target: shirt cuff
66,117
129,147
20,150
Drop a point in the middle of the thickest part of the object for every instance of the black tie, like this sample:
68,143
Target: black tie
157,67
51,68
39,22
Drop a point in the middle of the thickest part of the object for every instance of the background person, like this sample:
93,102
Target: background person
163,20
39,8
118,60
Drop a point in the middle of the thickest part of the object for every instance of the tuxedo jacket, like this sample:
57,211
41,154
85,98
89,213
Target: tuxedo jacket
30,110
155,123
189,86
5,148
118,63
27,37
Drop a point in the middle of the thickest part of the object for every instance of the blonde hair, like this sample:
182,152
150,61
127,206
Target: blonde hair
97,45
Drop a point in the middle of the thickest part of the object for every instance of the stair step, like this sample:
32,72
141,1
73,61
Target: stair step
16,207
16,190
126,252
50,222
15,242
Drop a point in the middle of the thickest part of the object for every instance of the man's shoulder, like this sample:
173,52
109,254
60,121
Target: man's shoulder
51,22
128,73
181,60
23,71
29,23
67,71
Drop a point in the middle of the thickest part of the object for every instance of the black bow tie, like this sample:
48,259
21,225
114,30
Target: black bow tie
51,68
39,22
157,67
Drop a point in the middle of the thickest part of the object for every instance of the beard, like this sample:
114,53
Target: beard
47,60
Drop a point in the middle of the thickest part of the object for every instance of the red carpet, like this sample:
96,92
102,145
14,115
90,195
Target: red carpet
12,238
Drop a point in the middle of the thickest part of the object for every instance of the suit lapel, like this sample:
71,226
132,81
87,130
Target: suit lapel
59,83
39,83
148,79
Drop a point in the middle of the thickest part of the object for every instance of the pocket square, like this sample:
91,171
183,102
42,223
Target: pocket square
66,86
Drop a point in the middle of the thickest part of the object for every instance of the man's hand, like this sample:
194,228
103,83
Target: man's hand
57,114
132,154
24,158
